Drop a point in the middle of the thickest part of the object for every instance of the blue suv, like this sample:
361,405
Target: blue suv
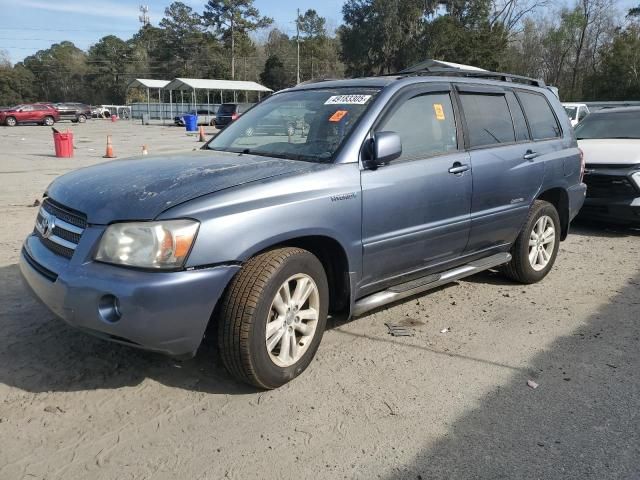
374,190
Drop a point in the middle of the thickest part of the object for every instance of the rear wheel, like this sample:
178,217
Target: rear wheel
48,121
536,248
273,317
11,122
82,118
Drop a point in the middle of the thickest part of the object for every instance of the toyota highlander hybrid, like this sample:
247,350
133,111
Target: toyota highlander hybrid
377,189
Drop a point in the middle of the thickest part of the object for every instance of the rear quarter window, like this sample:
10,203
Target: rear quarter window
542,121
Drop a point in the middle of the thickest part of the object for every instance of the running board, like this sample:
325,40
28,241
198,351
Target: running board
408,289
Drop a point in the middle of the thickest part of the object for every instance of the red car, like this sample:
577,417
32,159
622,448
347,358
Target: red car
29,113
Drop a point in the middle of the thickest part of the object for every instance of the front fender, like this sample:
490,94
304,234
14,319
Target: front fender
239,222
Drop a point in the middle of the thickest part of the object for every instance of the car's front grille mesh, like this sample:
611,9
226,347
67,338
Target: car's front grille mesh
59,228
611,186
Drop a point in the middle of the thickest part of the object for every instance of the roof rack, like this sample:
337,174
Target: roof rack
440,67
456,72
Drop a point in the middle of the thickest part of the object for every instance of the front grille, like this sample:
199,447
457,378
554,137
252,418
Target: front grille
608,186
59,228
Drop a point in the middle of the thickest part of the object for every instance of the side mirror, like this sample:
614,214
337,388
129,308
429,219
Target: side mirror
386,146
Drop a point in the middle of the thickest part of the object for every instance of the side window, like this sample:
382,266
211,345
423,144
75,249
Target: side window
542,121
488,119
426,126
27,108
519,122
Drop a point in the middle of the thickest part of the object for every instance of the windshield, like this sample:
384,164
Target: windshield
571,112
610,125
298,125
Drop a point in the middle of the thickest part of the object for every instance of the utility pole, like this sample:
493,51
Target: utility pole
298,43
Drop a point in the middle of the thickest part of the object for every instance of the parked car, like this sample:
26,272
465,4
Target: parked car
205,117
100,112
75,112
229,112
576,112
29,113
399,184
610,140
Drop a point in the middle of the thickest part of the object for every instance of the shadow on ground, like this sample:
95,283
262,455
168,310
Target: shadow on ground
583,421
40,353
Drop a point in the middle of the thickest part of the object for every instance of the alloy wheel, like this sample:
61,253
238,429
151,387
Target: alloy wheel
542,241
293,319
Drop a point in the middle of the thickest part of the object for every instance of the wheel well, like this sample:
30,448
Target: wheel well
335,263
559,198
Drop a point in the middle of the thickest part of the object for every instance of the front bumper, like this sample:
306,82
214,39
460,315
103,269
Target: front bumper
622,211
167,312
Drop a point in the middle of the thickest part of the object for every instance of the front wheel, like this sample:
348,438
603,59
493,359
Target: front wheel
536,248
273,317
82,118
11,122
48,121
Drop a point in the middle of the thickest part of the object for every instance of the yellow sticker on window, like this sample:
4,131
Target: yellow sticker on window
437,107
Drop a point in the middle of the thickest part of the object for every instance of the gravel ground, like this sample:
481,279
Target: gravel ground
435,405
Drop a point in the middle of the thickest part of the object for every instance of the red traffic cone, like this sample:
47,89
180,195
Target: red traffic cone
202,137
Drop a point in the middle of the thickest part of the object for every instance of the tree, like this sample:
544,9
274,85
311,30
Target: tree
59,72
231,17
110,60
619,76
274,74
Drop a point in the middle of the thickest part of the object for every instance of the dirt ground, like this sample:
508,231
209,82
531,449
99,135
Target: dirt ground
435,405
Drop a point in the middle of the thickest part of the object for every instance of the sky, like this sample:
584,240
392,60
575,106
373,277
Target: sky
27,26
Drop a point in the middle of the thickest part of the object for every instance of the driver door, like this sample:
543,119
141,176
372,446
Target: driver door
416,210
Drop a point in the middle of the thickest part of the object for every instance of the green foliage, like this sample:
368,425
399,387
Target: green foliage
274,74
619,77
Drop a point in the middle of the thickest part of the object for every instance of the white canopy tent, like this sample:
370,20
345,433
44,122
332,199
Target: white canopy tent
192,85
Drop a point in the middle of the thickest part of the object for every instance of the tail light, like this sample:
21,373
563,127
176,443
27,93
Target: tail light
234,117
582,165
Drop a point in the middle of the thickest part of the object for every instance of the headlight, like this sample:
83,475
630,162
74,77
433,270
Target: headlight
161,245
636,178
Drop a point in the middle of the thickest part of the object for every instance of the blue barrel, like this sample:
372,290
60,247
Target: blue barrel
191,123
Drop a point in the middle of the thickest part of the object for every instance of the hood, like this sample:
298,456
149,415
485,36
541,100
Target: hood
141,188
612,151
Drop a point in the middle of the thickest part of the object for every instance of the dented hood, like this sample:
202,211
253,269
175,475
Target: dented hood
143,187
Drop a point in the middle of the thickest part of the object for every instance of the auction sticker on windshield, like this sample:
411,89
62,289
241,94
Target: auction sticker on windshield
348,100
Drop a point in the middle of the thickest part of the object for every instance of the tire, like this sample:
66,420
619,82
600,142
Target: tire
10,121
522,268
82,119
250,303
48,121
212,123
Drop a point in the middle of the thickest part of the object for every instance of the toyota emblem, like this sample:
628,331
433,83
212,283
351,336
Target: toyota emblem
48,224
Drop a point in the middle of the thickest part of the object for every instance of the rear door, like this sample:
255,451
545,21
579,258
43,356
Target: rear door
506,173
415,212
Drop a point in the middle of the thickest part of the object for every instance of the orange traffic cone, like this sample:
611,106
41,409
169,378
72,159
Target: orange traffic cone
144,150
109,152
202,137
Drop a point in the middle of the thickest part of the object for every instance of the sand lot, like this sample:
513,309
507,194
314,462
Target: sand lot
435,405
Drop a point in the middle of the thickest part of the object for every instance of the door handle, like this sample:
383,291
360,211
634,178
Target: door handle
458,168
530,155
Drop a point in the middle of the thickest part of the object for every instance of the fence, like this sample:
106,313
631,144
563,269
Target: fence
166,111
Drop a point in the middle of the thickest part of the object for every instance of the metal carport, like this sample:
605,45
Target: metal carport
149,84
194,84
